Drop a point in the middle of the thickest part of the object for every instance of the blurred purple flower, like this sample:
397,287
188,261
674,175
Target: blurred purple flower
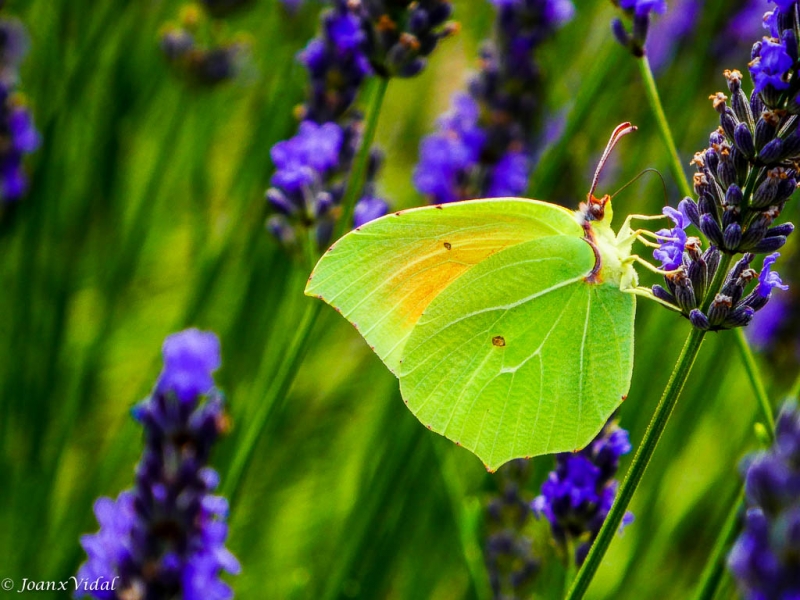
165,538
678,23
764,559
578,495
485,145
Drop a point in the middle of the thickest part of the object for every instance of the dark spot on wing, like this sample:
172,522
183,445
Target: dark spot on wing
439,206
625,397
498,341
447,245
397,214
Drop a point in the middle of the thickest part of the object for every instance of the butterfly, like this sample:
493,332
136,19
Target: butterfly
507,321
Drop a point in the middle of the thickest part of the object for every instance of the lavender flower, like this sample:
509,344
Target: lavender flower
507,551
767,324
204,62
18,135
743,181
675,26
766,558
768,279
578,495
670,253
731,307
312,168
337,64
165,538
14,43
775,329
771,66
486,144
639,12
401,34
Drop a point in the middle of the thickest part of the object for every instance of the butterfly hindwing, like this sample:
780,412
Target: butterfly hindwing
521,356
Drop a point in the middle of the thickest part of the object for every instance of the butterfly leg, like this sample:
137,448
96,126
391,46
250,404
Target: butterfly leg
626,235
641,261
647,293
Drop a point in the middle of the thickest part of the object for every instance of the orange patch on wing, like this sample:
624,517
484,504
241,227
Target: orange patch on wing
430,276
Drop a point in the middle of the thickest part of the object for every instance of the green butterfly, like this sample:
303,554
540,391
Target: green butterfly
507,321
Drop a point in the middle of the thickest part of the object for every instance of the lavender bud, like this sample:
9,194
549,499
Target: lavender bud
765,193
706,206
732,236
733,197
730,216
739,317
765,133
744,140
741,164
662,294
698,274
712,160
791,146
772,152
699,320
756,104
756,231
727,120
622,35
689,209
756,301
280,202
712,257
719,309
769,244
684,291
784,229
726,172
711,229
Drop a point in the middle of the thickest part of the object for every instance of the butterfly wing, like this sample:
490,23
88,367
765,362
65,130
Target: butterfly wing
520,355
383,275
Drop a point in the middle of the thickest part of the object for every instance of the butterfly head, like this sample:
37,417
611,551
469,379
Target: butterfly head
594,209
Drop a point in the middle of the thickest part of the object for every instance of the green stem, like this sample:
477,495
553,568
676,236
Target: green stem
715,567
355,183
643,455
755,380
794,392
645,451
283,379
281,382
663,126
570,568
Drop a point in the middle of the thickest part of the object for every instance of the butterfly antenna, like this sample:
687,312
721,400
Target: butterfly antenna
621,131
642,174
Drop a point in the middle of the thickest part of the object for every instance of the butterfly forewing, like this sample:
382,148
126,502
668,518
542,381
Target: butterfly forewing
382,276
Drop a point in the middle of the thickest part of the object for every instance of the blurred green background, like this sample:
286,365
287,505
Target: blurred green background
146,215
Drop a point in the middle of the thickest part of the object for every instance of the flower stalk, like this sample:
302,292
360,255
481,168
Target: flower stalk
358,175
642,458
